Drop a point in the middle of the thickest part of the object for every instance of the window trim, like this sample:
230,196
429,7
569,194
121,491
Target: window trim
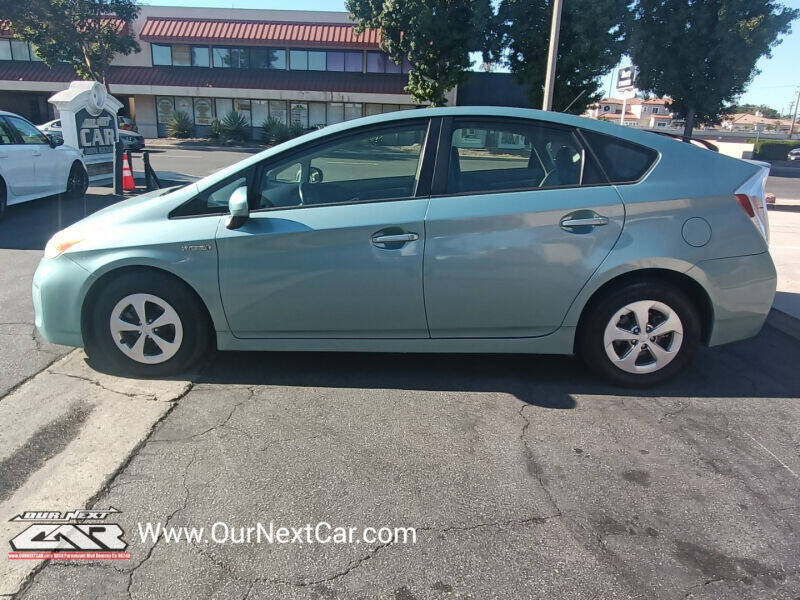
152,58
442,167
585,140
421,187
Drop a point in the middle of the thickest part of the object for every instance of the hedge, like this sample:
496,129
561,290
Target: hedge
773,149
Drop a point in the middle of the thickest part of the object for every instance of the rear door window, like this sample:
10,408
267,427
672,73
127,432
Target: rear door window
623,161
507,155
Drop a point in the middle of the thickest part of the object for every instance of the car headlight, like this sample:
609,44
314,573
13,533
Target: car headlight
61,242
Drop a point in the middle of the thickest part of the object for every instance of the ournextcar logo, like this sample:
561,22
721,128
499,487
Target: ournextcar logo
52,535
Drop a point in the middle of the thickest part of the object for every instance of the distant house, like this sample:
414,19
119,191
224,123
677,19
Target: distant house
748,122
649,114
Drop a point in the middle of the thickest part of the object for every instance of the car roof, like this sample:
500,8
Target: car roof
5,113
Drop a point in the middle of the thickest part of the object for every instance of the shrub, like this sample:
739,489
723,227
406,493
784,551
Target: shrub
774,149
276,132
216,129
180,125
234,127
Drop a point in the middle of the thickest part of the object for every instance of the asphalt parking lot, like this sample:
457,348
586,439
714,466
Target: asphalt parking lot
525,477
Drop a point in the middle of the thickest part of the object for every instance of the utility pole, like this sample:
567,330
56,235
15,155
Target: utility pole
794,117
552,54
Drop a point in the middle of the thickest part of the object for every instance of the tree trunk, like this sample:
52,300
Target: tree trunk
688,124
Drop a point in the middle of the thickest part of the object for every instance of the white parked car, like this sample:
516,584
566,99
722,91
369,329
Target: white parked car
794,154
32,165
131,140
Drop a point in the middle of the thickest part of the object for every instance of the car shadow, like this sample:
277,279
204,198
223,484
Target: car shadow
747,369
28,226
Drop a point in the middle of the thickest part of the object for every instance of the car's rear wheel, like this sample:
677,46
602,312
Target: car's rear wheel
77,182
147,324
640,334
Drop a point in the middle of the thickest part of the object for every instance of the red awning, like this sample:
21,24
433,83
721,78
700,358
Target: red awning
342,35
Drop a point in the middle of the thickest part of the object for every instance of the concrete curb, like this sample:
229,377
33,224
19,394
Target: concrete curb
784,322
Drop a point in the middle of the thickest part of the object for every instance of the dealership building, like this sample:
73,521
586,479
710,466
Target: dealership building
293,66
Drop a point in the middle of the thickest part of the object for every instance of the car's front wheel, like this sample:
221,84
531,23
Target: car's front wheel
147,324
640,334
77,182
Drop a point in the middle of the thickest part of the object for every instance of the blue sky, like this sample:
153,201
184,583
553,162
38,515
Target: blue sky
776,86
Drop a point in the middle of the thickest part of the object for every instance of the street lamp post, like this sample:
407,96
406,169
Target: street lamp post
552,54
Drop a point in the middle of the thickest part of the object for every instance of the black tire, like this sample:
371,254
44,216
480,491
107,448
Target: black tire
102,349
77,182
593,324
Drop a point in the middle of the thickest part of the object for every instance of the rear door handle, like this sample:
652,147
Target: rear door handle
36,153
595,221
393,239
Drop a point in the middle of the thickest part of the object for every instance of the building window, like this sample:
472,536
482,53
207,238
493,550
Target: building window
300,114
181,56
164,108
240,58
222,57
354,62
5,49
606,108
259,110
184,105
277,110
352,110
655,110
392,67
203,112
316,61
298,60
200,56
372,109
162,55
335,112
223,106
20,50
376,62
268,58
335,61
243,108
316,114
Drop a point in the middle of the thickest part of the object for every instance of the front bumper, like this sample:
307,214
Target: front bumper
59,286
741,289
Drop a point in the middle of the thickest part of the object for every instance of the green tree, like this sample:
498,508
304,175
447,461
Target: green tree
591,42
703,53
752,109
84,33
436,36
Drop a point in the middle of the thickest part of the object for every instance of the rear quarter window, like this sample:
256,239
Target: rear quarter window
623,161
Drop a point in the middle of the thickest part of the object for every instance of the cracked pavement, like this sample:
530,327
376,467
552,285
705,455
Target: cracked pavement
524,478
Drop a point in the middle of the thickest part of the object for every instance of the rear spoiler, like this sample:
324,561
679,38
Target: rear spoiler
688,140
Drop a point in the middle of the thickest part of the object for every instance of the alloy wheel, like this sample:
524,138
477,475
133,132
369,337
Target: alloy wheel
643,336
146,328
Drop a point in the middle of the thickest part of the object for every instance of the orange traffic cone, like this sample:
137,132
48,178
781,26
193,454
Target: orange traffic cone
128,184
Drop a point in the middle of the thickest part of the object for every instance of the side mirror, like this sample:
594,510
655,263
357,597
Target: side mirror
55,140
238,207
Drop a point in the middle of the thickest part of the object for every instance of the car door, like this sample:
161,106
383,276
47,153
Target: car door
334,242
48,167
16,163
518,221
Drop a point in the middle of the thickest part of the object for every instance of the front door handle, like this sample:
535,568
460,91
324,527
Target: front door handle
36,153
394,239
595,221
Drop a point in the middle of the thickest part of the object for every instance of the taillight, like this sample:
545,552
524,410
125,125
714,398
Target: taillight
744,202
751,196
